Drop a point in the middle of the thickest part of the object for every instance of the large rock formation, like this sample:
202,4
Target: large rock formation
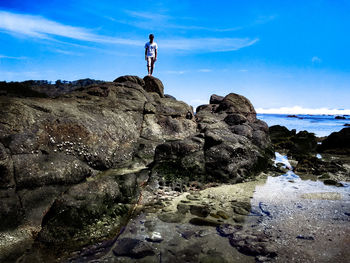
230,146
53,150
47,145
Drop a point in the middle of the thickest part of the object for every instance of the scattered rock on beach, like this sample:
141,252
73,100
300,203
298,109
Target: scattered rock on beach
337,142
133,248
339,118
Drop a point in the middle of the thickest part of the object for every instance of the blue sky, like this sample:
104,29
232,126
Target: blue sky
276,53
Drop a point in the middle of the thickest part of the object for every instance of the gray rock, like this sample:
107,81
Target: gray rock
6,169
198,221
11,211
252,244
133,248
226,230
134,79
153,84
215,99
337,142
74,214
199,210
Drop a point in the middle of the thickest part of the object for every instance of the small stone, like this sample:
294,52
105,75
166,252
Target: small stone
332,182
222,214
182,208
171,217
227,229
155,237
203,222
214,215
239,218
305,237
133,248
240,210
201,211
192,197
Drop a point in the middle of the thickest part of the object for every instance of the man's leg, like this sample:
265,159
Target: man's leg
149,66
152,65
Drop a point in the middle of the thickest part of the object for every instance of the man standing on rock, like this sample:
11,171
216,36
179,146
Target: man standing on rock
151,48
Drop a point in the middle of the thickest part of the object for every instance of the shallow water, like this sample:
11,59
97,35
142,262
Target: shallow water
309,220
300,218
304,221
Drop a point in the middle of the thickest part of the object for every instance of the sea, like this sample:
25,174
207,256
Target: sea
320,125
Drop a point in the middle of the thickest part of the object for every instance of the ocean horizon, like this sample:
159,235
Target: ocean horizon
321,125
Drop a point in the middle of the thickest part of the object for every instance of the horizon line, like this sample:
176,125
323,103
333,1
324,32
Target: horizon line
298,110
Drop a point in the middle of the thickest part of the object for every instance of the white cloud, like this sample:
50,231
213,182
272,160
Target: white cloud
316,59
180,72
65,52
42,28
243,70
146,15
301,110
208,44
149,20
204,70
9,57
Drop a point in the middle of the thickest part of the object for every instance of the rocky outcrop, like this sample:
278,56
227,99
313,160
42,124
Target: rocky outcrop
44,88
337,142
48,145
230,146
56,154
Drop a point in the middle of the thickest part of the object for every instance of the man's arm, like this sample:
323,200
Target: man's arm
156,52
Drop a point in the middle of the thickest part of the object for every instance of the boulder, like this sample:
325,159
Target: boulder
337,142
340,118
296,145
134,79
234,103
215,99
169,96
153,84
231,146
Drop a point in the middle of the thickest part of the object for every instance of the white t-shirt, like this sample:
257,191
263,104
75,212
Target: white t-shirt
151,49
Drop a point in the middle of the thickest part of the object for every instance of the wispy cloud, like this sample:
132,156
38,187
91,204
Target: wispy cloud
66,52
147,20
147,15
316,59
10,57
176,72
42,28
204,70
301,110
264,19
208,44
